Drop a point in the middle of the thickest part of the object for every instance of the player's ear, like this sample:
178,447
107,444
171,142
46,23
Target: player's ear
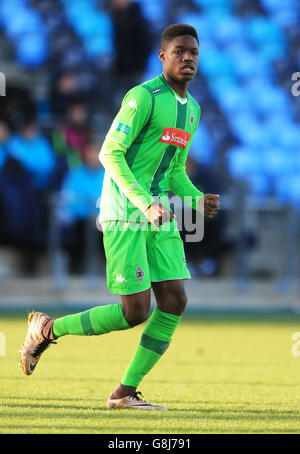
161,55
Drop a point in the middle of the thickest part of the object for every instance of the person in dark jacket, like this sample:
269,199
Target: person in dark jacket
132,39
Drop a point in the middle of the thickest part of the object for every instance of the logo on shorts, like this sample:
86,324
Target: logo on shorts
139,274
176,137
120,278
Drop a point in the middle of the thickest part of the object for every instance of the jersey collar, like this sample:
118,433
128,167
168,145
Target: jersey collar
179,99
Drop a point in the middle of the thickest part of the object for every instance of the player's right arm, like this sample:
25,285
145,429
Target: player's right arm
134,113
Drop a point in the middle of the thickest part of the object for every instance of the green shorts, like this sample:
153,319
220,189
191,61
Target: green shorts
138,254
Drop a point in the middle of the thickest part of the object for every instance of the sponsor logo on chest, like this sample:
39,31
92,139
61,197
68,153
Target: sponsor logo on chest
176,137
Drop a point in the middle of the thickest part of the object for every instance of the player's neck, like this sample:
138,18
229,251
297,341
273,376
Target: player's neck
180,88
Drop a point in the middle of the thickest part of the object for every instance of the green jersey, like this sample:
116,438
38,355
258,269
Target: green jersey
145,151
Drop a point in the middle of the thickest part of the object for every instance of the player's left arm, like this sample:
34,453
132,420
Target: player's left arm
181,185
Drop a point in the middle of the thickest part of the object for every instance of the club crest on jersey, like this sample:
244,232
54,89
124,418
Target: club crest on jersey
176,137
192,118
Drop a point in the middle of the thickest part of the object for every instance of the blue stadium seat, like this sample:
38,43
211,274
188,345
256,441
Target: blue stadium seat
202,148
277,5
9,7
288,136
259,185
267,36
234,100
199,22
224,28
287,189
278,162
243,161
213,61
26,22
92,25
26,30
268,99
154,11
261,29
249,131
284,13
248,63
32,50
153,67
208,5
98,45
220,84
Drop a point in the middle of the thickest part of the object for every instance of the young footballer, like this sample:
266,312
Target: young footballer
144,156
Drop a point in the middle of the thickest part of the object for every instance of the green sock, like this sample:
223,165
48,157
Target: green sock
99,320
154,342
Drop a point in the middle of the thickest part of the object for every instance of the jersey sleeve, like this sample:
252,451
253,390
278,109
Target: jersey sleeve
112,157
132,116
179,182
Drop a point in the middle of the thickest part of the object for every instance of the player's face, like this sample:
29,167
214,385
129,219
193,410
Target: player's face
180,58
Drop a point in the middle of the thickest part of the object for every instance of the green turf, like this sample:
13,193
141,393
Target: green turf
218,376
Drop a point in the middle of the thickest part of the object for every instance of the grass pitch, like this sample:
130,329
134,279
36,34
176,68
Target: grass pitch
218,376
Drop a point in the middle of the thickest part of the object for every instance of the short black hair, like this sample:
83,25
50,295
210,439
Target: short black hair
170,32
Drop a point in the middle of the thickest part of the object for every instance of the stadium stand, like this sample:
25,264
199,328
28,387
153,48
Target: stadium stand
248,51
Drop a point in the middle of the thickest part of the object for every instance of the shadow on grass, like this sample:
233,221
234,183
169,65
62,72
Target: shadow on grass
192,382
58,411
28,429
66,379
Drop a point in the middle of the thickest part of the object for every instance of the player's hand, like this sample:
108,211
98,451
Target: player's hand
157,214
210,205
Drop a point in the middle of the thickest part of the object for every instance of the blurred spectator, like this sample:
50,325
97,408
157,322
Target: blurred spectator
16,105
4,142
248,52
4,151
81,189
34,152
82,185
204,257
64,88
69,140
21,203
133,44
71,84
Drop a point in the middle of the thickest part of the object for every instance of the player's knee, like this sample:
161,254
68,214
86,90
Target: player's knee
136,308
136,314
180,302
174,303
136,318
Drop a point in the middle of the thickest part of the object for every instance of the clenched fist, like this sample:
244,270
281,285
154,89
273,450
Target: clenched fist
157,214
209,205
